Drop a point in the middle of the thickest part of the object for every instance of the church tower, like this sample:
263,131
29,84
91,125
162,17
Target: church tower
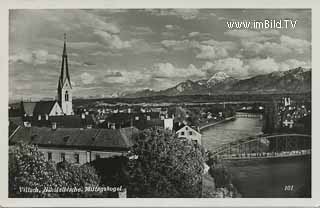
64,84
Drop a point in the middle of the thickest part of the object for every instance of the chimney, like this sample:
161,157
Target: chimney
53,125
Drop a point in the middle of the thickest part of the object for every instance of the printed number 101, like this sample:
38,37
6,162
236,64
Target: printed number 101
288,187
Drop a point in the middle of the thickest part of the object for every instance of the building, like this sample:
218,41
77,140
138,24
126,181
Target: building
63,104
190,134
64,84
75,145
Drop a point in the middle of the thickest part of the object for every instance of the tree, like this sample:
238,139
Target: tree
163,165
74,176
28,170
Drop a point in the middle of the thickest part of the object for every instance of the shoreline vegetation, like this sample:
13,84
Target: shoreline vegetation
218,178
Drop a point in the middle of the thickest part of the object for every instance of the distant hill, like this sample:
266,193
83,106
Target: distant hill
294,80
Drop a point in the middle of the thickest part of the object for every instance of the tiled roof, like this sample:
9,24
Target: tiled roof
88,139
43,107
64,121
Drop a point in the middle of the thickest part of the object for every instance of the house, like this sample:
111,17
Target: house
75,145
189,133
62,121
42,108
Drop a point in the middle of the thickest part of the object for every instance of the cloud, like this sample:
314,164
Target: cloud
232,66
254,35
262,66
139,46
193,34
105,53
87,78
169,27
168,70
292,64
297,45
256,49
285,46
207,65
130,78
113,41
178,44
186,14
113,74
209,49
211,52
138,30
34,57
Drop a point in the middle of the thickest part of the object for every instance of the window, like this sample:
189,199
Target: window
190,133
76,158
182,133
49,156
186,128
62,157
66,96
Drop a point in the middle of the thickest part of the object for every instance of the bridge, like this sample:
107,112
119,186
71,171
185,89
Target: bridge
265,146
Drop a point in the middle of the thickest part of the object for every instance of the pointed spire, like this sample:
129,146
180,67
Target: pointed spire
64,45
64,75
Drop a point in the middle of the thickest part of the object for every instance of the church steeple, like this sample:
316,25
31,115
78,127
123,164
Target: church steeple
64,84
64,75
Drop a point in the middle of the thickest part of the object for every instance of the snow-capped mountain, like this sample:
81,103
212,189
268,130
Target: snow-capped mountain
294,80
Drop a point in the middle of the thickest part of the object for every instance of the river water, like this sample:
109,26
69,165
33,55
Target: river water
286,177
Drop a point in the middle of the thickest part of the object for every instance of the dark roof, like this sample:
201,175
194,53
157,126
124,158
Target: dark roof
28,107
65,121
122,118
43,107
88,139
145,124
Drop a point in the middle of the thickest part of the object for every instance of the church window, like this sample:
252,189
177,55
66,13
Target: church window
66,96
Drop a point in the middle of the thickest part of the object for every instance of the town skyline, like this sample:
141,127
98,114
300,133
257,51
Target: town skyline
109,52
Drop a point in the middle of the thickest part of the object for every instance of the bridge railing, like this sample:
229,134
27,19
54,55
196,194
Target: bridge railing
255,147
265,154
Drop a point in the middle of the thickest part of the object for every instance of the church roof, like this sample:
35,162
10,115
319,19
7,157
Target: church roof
88,139
43,107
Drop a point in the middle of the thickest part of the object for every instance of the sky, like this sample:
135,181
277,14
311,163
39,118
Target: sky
111,51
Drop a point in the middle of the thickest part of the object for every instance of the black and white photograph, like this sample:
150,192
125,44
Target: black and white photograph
159,103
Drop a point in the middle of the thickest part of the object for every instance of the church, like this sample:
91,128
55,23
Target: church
58,112
61,134
63,104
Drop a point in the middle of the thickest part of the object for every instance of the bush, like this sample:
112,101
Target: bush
28,169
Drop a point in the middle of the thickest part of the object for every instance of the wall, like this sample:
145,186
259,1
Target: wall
84,156
185,133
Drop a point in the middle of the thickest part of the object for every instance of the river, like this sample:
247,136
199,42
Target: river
286,177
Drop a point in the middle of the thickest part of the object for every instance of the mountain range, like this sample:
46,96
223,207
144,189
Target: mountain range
294,80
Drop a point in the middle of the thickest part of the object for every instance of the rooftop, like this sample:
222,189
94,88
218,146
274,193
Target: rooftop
74,138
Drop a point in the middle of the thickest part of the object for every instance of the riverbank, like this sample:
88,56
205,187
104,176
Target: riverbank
213,123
